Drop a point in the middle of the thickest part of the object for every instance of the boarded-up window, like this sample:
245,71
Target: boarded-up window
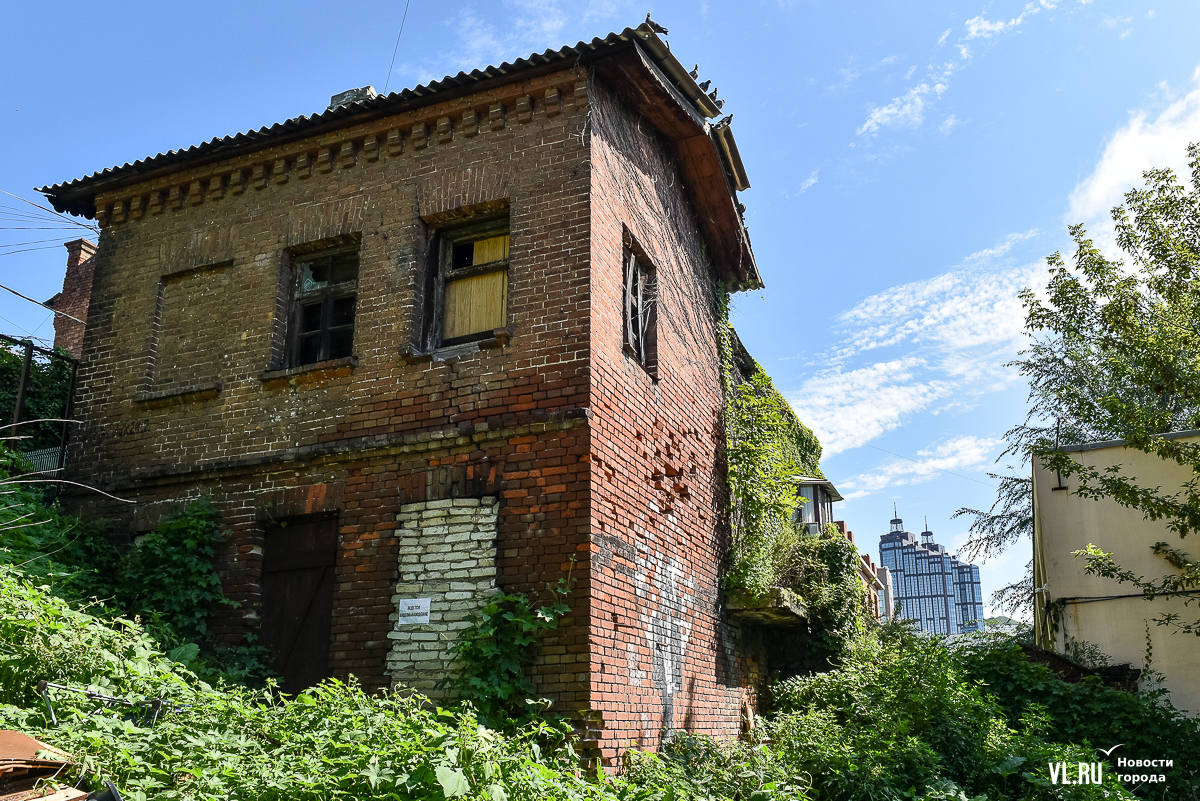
297,600
473,281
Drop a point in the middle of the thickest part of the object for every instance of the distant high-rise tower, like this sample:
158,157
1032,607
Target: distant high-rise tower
931,586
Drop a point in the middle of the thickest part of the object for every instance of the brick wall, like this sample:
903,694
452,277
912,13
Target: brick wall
662,656
74,298
179,395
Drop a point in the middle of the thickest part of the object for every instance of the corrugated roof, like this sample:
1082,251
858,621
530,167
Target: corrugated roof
76,196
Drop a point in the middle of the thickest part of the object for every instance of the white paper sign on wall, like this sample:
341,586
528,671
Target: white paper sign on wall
413,610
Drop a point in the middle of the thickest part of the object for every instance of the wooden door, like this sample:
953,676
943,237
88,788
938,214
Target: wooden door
297,599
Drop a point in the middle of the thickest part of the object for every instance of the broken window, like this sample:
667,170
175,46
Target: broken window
324,296
471,298
641,311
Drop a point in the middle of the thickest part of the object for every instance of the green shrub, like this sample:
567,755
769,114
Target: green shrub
900,718
692,767
492,654
43,637
170,574
169,580
824,572
1145,723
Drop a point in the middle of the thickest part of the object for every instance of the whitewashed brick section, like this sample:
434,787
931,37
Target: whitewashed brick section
447,554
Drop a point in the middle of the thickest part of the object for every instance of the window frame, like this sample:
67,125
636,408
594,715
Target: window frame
299,299
444,239
639,307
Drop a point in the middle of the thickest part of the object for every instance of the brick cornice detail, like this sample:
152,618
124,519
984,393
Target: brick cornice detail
353,147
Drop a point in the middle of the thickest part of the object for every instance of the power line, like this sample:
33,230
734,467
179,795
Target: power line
26,250
38,302
61,216
396,49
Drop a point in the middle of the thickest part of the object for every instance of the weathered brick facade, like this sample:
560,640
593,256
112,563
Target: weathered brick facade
74,298
599,468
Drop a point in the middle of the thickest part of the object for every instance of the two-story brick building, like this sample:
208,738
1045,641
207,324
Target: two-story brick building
423,345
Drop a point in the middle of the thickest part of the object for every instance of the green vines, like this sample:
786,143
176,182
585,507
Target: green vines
765,448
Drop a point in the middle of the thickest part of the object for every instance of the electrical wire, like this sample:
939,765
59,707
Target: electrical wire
38,302
26,250
396,49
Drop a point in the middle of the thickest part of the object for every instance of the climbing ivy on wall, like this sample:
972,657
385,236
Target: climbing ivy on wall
765,448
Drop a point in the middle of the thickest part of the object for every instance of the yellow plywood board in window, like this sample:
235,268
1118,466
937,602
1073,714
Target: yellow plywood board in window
477,304
490,250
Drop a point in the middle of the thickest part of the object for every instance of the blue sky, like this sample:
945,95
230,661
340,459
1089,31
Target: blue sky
912,165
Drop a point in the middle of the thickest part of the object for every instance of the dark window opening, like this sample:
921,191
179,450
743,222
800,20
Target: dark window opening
641,312
325,294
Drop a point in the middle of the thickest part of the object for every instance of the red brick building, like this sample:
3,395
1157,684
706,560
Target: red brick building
456,338
72,302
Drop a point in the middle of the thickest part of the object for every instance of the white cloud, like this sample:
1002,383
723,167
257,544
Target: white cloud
980,28
961,310
949,124
1116,22
530,26
1145,142
997,250
809,181
847,409
852,73
908,110
958,455
936,345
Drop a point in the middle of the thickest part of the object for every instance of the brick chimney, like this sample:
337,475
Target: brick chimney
74,298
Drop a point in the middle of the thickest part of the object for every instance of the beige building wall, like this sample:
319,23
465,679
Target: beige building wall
1102,611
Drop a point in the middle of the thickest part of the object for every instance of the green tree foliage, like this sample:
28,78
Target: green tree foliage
1115,354
1009,520
45,395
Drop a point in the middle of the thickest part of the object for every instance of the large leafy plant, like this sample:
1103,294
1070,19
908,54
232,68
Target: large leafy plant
493,652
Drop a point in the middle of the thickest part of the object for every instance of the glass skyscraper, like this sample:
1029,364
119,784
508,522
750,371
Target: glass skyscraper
929,585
